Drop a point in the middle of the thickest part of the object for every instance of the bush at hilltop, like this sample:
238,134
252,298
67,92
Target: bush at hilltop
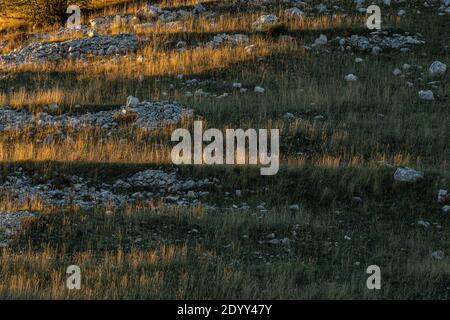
42,12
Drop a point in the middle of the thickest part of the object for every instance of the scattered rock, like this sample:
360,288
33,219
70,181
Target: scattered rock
132,102
407,175
294,12
424,224
222,39
321,40
351,78
267,19
438,255
199,8
10,223
259,89
437,68
289,116
443,196
397,72
274,241
427,95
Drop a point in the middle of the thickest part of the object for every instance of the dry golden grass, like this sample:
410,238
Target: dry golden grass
10,23
86,149
23,97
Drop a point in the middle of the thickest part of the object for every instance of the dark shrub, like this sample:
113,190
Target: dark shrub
42,12
275,30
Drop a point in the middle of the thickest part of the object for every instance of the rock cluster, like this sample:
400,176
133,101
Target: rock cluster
77,48
144,115
222,39
264,21
294,12
84,193
377,42
146,17
10,222
166,14
108,21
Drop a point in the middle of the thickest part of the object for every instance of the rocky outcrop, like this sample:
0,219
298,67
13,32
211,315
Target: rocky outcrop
85,193
144,115
378,41
77,48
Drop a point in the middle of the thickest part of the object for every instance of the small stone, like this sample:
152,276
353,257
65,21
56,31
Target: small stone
442,196
274,241
198,8
438,255
294,12
321,40
437,68
319,117
191,194
132,102
407,175
259,89
181,44
427,95
266,19
397,72
236,85
250,48
424,224
289,116
376,50
351,78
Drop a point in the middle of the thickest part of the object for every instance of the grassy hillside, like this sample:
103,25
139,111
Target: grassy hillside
339,152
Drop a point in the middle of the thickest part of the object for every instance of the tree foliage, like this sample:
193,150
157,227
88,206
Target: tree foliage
42,12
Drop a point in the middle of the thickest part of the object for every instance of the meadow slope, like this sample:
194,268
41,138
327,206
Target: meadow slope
84,182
